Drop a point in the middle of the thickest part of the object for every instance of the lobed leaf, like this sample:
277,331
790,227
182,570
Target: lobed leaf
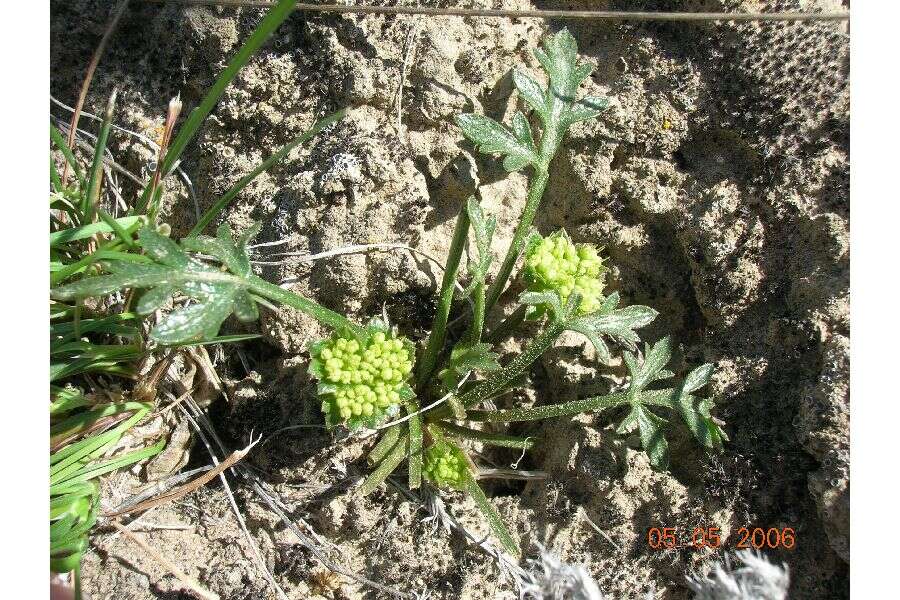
617,323
490,137
215,294
646,369
531,93
588,107
559,57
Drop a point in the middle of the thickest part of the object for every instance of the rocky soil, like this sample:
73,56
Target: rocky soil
718,184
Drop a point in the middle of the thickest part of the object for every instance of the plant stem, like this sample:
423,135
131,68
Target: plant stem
487,437
554,129
445,300
477,326
535,193
415,445
323,315
592,404
507,325
386,467
499,380
388,440
538,413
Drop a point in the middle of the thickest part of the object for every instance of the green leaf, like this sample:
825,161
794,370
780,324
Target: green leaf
467,357
539,302
559,57
490,137
697,378
60,142
646,369
64,236
650,427
617,323
493,517
216,294
696,413
531,93
588,107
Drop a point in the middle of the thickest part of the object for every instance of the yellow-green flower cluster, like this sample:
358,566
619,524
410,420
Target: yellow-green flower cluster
446,465
557,264
368,378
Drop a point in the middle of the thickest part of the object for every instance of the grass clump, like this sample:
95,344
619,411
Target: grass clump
424,404
99,345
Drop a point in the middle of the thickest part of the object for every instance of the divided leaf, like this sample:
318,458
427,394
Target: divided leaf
618,324
586,108
531,93
647,369
559,57
473,357
216,294
465,357
490,137
695,412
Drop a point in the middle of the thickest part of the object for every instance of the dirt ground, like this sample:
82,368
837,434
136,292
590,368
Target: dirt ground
718,184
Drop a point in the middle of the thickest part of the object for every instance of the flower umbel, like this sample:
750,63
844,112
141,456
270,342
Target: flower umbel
556,264
446,465
362,381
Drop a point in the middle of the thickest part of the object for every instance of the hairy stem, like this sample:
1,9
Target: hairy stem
445,300
323,315
386,467
486,437
592,404
387,442
415,445
497,381
535,193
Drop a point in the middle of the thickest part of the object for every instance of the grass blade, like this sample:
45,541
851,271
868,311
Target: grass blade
91,199
73,234
228,196
267,26
59,141
493,517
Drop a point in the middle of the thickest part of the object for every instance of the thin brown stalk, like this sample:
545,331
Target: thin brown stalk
187,488
171,117
88,77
